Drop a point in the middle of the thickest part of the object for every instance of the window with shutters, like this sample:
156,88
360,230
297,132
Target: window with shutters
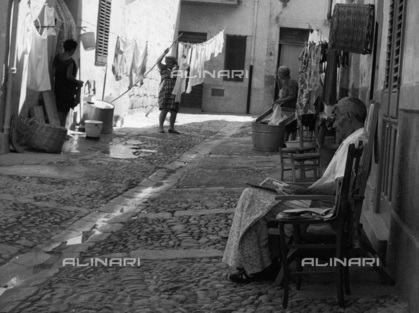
235,57
394,45
103,26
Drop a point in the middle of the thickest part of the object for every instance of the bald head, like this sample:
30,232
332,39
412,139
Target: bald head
354,106
350,114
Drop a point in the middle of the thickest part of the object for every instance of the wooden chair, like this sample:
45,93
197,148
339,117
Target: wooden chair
307,148
349,234
334,244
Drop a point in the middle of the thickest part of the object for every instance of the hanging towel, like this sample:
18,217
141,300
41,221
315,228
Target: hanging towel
38,73
352,28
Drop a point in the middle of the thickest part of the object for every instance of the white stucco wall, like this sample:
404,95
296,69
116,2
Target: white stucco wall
305,14
272,15
142,20
211,19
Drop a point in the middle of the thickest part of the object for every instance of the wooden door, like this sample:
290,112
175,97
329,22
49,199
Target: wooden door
394,54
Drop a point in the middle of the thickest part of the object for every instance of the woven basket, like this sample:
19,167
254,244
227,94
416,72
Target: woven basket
42,136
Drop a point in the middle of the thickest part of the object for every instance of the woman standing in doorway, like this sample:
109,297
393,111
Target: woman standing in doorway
65,82
166,98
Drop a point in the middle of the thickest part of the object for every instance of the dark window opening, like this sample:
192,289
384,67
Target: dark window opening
235,57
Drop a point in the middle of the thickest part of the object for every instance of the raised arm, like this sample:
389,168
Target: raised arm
159,64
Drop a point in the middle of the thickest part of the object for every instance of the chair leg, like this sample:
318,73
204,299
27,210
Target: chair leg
297,233
284,267
339,285
346,280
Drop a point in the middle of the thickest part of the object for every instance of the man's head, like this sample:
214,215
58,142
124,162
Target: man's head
350,114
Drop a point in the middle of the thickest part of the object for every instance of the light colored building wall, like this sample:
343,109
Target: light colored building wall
272,15
305,14
146,20
211,19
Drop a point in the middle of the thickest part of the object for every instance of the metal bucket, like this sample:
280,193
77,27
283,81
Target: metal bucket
267,137
93,128
102,111
88,41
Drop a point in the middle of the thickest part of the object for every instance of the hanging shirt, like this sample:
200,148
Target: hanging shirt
38,73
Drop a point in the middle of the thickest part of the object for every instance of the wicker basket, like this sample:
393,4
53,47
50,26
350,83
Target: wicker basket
42,136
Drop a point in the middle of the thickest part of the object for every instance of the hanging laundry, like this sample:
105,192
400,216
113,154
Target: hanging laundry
201,53
68,29
344,76
38,72
196,74
122,63
180,85
138,68
129,61
49,20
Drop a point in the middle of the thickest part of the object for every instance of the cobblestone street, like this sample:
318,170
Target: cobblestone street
165,199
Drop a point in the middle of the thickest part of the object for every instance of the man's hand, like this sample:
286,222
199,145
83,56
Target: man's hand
294,189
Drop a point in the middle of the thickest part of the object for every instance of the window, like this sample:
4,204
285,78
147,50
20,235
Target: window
103,25
394,45
235,57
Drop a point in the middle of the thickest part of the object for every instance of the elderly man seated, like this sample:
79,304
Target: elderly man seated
247,246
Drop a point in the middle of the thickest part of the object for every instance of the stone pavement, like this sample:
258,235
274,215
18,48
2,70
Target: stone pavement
163,200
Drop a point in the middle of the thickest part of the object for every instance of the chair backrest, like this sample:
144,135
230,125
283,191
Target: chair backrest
346,184
359,183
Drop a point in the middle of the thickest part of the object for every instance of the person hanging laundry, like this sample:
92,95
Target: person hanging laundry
65,82
38,73
166,97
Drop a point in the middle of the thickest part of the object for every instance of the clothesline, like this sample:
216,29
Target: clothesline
145,75
162,41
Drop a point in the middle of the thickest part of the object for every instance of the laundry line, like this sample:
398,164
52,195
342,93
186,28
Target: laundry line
145,75
118,35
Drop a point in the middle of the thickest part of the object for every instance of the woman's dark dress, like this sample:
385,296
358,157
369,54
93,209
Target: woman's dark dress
65,90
